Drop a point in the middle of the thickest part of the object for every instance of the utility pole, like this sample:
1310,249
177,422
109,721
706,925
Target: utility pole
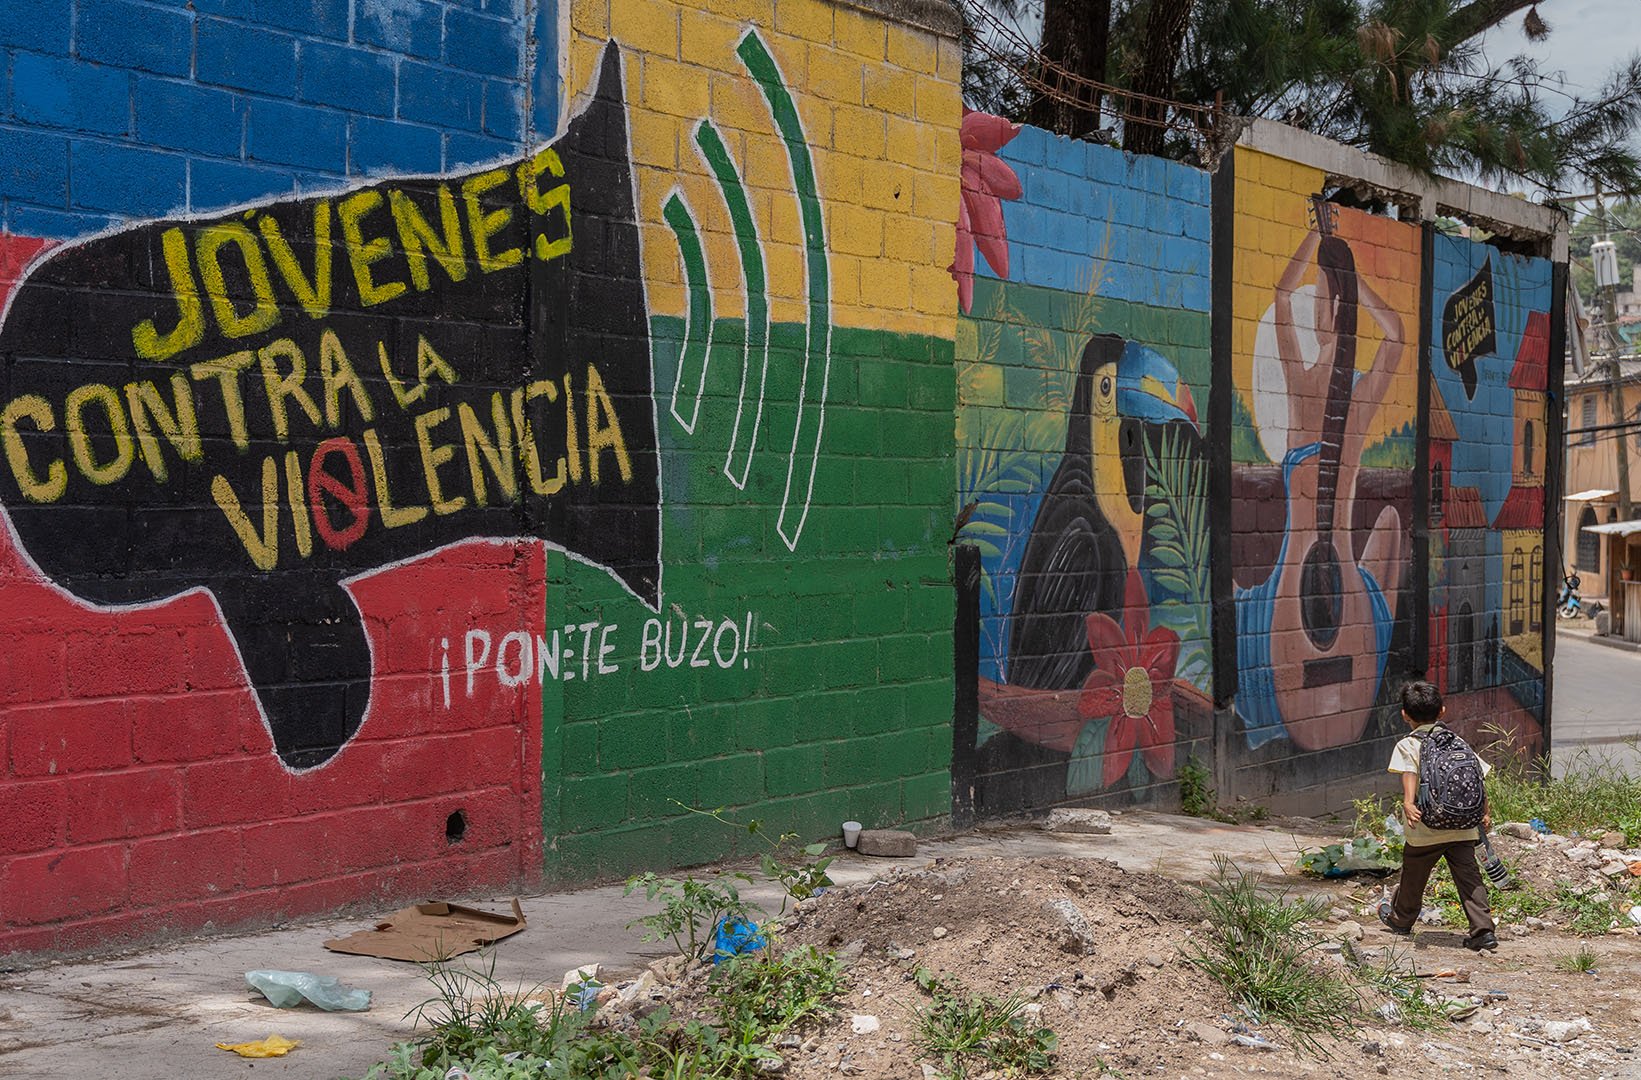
1606,286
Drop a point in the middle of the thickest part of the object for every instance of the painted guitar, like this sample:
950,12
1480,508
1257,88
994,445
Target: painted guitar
1313,638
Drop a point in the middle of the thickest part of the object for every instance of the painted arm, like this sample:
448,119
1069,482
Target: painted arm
1287,343
1388,360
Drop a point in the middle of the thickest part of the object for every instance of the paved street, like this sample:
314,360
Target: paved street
1597,704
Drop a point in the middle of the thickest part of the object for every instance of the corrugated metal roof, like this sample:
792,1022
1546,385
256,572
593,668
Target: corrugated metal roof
1615,528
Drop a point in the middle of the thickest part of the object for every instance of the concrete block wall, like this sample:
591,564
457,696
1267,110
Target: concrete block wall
562,438
1331,420
1319,289
444,445
1439,493
800,669
123,109
139,774
1082,355
1490,561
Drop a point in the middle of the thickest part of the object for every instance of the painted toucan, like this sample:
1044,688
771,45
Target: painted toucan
1090,525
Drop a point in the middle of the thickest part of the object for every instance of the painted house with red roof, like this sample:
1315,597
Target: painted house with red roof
1520,521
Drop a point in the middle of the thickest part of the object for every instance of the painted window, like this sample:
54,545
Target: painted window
1527,449
1589,544
1518,589
1535,596
1438,491
1587,421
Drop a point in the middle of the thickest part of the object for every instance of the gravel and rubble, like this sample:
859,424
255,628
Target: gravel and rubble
1096,952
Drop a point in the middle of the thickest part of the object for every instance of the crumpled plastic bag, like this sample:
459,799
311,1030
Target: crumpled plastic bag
271,1047
287,989
737,937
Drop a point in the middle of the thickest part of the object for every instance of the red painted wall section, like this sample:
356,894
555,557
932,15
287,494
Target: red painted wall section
141,794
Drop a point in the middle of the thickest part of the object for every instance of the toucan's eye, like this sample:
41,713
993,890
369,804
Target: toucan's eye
1105,386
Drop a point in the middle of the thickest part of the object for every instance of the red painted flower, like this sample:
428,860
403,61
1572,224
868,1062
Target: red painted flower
986,181
1132,683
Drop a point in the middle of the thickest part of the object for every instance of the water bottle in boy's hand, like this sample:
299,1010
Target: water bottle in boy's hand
1494,867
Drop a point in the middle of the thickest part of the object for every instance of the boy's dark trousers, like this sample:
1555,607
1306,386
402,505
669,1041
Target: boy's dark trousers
1418,862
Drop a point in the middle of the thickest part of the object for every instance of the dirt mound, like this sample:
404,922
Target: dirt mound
1095,948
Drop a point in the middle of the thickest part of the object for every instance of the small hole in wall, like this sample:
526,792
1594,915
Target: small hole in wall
455,827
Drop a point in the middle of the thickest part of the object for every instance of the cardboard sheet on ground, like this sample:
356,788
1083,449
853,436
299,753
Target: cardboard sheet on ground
433,931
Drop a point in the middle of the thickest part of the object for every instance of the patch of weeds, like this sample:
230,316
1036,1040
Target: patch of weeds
1595,794
691,909
1515,904
771,993
1392,980
469,1011
1591,911
966,1030
801,873
1196,798
475,1026
1444,895
1256,947
1581,962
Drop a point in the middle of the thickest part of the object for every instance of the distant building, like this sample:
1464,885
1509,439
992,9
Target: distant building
1591,481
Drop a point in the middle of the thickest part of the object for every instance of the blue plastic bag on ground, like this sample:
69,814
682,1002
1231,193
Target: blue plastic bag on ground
287,989
737,936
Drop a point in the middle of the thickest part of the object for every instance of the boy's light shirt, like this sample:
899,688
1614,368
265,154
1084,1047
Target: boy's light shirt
1405,759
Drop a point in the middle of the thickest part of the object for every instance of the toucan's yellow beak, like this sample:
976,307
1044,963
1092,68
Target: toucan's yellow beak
1179,397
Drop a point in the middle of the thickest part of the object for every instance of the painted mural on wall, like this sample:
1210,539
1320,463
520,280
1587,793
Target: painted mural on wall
421,532
1322,475
1490,343
265,405
1082,476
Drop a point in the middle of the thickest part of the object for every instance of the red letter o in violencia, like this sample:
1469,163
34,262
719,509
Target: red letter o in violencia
351,495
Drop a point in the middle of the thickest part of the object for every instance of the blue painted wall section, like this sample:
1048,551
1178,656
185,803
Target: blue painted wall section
118,109
1486,512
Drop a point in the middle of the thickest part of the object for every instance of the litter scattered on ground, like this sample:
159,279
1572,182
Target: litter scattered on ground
288,989
271,1047
433,931
1361,855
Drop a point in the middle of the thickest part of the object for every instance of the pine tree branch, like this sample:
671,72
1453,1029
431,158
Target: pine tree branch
1479,16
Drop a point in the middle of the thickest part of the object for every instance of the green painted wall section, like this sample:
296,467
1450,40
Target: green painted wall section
841,707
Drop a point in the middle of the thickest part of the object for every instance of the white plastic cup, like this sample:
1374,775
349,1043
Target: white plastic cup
851,833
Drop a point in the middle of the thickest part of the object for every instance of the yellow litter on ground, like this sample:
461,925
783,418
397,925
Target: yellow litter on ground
272,1046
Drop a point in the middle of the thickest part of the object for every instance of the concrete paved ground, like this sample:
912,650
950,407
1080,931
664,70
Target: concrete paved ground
155,1015
1597,706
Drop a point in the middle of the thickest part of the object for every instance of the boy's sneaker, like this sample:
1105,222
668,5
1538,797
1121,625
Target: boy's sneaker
1384,917
1486,939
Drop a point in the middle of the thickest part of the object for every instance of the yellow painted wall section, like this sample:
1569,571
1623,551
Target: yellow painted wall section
880,110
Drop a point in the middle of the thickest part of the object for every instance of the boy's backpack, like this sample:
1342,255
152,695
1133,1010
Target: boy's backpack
1451,795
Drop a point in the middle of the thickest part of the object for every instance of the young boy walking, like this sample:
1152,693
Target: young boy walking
1422,710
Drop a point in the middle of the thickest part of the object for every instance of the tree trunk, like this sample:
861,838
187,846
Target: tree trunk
1165,24
1076,34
